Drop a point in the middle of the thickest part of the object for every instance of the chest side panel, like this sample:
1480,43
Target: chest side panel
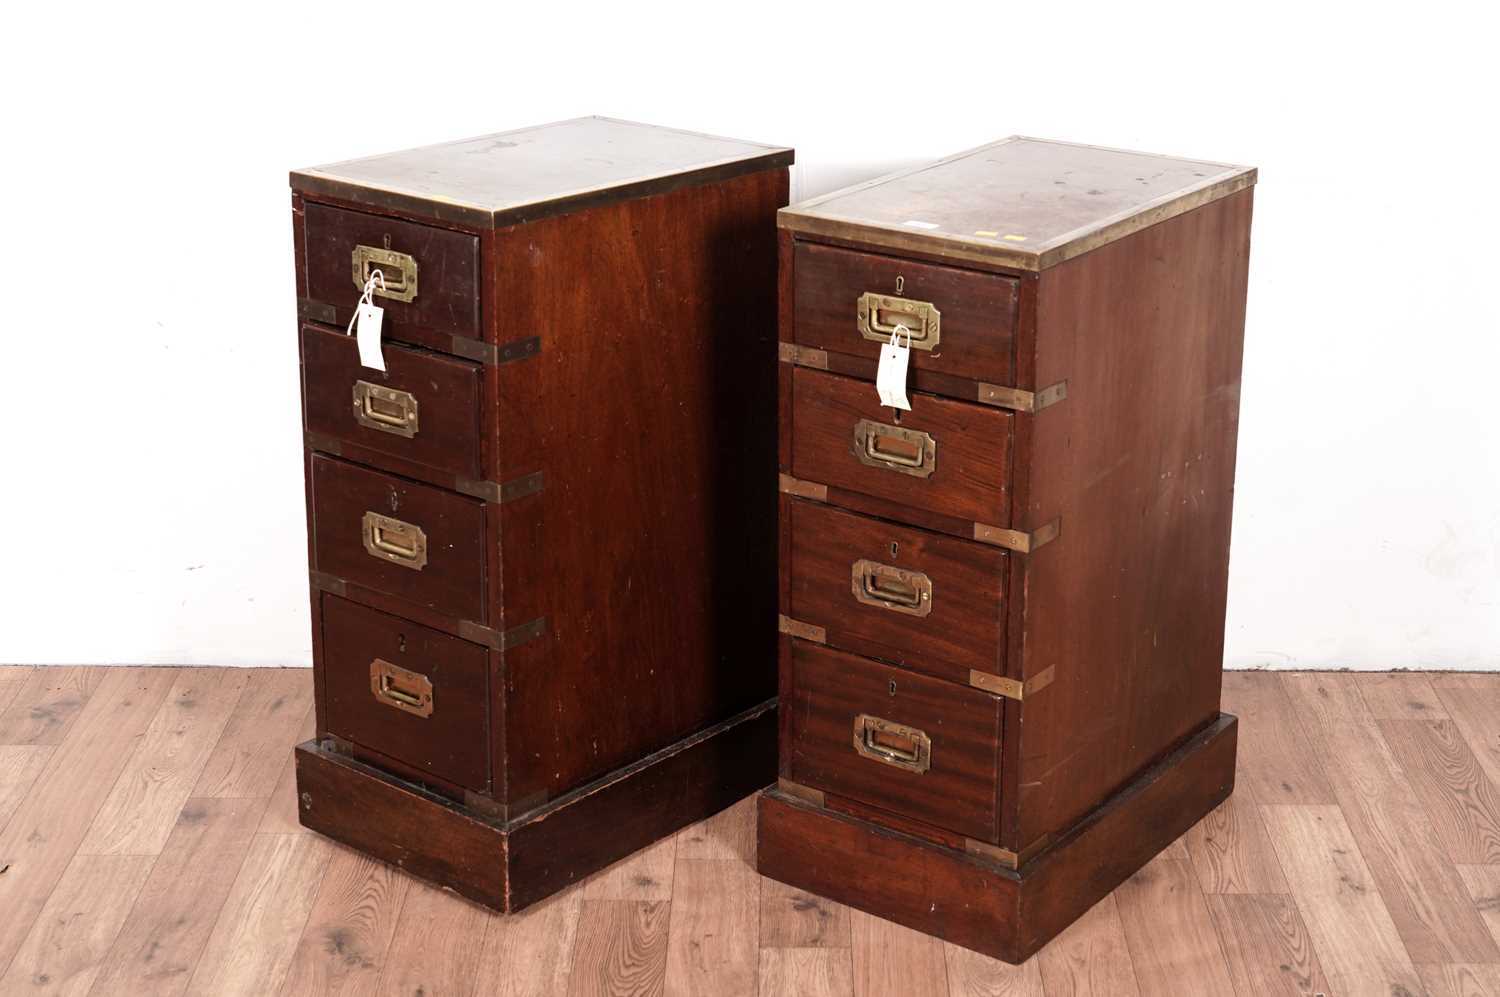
1126,607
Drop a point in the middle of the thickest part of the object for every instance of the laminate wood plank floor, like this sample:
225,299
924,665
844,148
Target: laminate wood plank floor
149,845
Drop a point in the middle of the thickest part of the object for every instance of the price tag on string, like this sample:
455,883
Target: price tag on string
365,324
890,376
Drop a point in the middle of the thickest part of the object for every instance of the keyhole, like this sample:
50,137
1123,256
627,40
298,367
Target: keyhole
900,283
893,687
896,416
894,550
385,240
401,643
395,501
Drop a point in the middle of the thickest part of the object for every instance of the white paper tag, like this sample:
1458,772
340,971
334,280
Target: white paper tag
367,322
890,376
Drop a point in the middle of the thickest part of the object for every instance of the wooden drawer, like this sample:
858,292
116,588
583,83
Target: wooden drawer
943,740
412,541
445,265
424,408
408,692
844,299
946,457
919,599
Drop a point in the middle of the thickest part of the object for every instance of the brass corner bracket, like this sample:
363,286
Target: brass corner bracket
1018,540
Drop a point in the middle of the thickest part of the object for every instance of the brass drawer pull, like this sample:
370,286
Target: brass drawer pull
905,450
385,409
401,688
398,269
892,743
392,540
877,584
879,314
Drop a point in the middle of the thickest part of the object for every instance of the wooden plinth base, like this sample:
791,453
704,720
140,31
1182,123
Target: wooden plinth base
975,902
507,865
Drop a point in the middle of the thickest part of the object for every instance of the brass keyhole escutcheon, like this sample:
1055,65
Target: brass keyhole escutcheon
895,549
900,282
893,687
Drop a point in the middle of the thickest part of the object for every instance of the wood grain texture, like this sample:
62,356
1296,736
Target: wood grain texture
43,834
258,928
530,954
728,835
281,812
1482,887
714,938
1230,851
893,961
138,815
343,946
45,703
1356,940
1170,930
620,949
435,947
174,914
793,918
73,932
1459,980
1091,958
1473,704
254,746
20,764
1277,761
793,972
646,875
1461,801
1395,833
973,975
1266,945
1401,696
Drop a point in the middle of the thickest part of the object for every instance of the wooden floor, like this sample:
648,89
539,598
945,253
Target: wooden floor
149,844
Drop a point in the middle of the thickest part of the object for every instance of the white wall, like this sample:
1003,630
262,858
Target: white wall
151,503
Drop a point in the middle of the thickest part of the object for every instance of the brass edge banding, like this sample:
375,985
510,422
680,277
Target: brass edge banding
324,582
790,788
1004,856
316,311
796,628
804,489
1019,399
1018,540
511,490
1012,688
802,356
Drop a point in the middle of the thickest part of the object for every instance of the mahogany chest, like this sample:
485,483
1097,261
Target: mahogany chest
1002,610
541,538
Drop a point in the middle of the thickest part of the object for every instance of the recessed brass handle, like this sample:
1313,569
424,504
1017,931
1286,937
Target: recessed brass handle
399,271
897,589
401,688
892,743
878,315
392,540
385,409
905,450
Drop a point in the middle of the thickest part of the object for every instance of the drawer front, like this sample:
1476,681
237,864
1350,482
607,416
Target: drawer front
945,457
423,408
962,321
407,691
432,273
914,745
412,541
919,599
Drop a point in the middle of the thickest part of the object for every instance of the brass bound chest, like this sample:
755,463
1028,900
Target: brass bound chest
541,538
1002,611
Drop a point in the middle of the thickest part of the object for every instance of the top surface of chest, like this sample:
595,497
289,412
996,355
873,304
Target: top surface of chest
533,172
1021,202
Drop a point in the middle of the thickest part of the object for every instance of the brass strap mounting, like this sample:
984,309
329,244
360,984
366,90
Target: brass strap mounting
1017,540
1012,688
796,628
1018,399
